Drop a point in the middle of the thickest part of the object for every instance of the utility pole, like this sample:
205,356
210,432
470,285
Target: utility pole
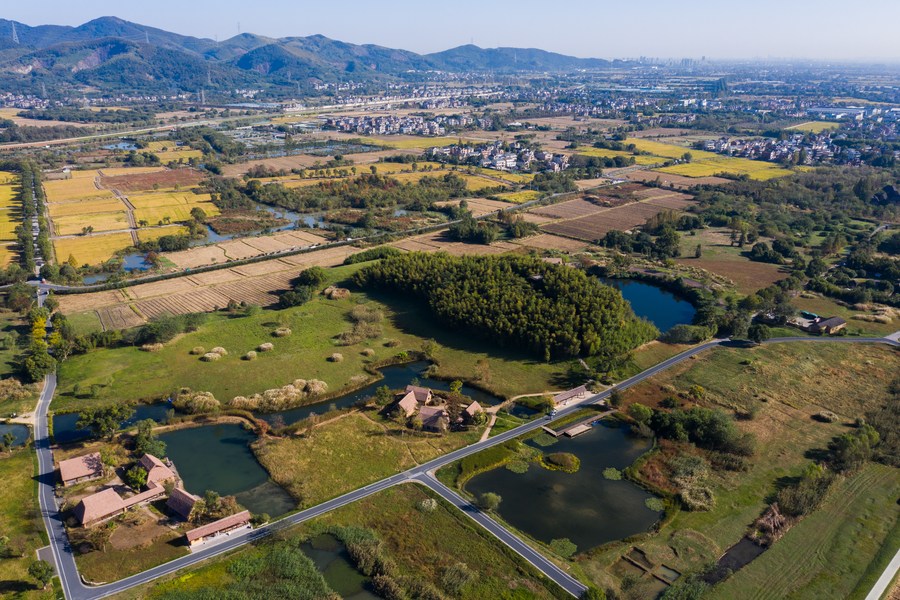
146,37
15,34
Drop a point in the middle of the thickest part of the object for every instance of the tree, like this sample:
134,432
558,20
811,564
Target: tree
135,477
42,571
104,422
383,396
639,412
8,440
145,440
198,214
698,251
758,333
72,262
39,364
850,450
456,386
489,501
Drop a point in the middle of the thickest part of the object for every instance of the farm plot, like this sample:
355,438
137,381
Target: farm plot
474,183
10,217
676,181
707,164
570,209
148,178
639,159
815,126
595,226
546,241
100,221
437,241
170,205
478,206
170,152
148,234
84,206
92,249
78,187
519,197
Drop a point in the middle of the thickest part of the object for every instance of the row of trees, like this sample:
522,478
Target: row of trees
549,310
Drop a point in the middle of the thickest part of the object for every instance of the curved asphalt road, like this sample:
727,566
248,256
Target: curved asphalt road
75,589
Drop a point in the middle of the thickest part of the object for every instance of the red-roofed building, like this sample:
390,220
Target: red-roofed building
217,528
82,468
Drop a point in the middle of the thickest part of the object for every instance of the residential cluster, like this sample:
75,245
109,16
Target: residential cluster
500,156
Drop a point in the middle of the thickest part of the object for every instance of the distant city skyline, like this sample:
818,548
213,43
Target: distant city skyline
803,29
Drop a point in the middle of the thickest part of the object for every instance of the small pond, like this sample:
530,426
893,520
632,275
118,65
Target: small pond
65,431
331,558
583,506
20,432
121,146
661,307
395,377
218,457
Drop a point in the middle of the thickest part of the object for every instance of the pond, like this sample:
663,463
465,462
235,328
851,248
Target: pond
341,575
218,457
661,307
584,507
65,431
395,377
20,432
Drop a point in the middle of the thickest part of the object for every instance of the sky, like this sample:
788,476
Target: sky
716,29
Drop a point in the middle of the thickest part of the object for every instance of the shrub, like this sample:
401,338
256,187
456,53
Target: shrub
826,416
211,357
195,402
456,577
427,505
564,547
281,398
336,357
282,332
544,440
517,466
220,351
197,350
639,412
562,461
655,504
387,588
728,462
489,501
151,347
266,347
697,497
368,352
612,473
250,355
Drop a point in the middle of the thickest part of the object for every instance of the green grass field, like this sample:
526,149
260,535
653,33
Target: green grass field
21,523
12,328
814,126
423,544
827,554
327,463
130,374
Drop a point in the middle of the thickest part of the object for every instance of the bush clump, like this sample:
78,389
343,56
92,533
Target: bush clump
564,547
266,347
612,473
195,402
287,396
151,347
282,332
517,466
336,357
562,461
250,355
544,440
368,352
211,357
220,351
826,416
198,350
427,505
697,497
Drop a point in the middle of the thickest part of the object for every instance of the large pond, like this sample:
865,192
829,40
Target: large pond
20,432
661,307
584,506
218,457
395,377
66,432
341,575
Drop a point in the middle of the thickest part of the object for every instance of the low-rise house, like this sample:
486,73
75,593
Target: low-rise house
182,502
157,471
828,326
473,409
217,528
82,468
434,418
408,404
567,396
106,504
423,395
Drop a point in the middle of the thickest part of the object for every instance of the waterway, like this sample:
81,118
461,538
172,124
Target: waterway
341,575
395,377
20,432
584,506
66,432
661,307
218,457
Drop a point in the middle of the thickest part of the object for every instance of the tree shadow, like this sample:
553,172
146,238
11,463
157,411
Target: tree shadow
14,586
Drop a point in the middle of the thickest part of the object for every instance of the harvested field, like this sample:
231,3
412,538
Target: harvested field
75,188
145,178
533,218
120,316
170,151
546,241
437,241
147,234
478,206
586,184
301,161
676,181
596,225
568,210
85,206
92,249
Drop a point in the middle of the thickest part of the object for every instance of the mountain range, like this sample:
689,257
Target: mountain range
115,55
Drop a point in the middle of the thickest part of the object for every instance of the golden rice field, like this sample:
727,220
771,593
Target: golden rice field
75,188
148,234
155,207
169,151
10,217
93,249
639,159
519,197
100,221
84,206
515,178
707,164
815,126
473,182
409,142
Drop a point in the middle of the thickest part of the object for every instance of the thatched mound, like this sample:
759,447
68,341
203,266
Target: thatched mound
250,355
281,398
220,351
151,347
267,347
198,350
336,293
336,357
195,402
211,357
282,332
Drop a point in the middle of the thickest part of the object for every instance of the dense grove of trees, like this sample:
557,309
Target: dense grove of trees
371,254
80,115
550,310
365,191
10,132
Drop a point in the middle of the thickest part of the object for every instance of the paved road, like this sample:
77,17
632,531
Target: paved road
76,590
884,582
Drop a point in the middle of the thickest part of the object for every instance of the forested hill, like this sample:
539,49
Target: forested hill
552,311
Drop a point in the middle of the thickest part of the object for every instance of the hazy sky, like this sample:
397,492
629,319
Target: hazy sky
825,29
